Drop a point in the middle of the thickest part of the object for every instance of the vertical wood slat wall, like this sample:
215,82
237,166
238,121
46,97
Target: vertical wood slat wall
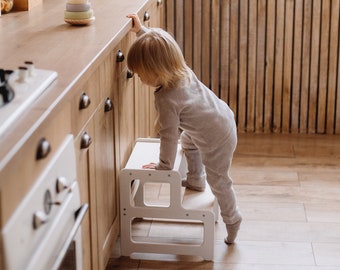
276,62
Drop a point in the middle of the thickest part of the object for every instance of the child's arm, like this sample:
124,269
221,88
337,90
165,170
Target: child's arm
136,24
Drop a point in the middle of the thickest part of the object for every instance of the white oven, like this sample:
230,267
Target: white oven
44,231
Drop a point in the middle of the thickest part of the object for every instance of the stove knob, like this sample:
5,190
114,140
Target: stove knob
23,73
62,184
2,75
30,67
6,93
39,218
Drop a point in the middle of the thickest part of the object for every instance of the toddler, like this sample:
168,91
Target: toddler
208,136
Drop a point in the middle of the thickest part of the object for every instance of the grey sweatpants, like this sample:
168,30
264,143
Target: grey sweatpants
215,165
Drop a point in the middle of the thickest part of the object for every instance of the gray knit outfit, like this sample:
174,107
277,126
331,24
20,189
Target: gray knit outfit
208,138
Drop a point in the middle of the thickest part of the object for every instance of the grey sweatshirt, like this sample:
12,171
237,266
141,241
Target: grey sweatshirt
195,109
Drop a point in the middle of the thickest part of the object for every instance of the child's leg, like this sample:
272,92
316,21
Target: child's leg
196,174
217,164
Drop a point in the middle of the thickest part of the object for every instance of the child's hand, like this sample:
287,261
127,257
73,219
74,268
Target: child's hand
151,165
136,24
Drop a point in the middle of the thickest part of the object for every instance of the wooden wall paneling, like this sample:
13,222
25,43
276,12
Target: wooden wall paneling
315,49
324,51
260,64
206,36
197,32
179,23
233,57
170,16
333,59
215,43
305,68
279,45
275,62
225,30
296,68
242,79
252,39
269,73
188,33
287,66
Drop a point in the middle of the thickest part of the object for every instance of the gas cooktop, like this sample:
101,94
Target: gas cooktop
19,89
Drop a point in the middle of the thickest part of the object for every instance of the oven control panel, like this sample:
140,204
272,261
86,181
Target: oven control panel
37,228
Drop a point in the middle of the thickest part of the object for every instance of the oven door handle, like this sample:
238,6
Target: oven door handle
78,215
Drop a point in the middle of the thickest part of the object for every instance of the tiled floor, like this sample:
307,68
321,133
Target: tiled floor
288,189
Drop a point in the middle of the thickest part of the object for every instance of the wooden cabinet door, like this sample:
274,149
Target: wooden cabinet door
124,98
142,107
103,188
98,186
85,169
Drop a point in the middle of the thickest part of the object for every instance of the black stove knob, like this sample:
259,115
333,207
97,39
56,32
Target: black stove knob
2,75
6,93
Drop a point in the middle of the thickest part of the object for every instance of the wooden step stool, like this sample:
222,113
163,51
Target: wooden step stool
180,207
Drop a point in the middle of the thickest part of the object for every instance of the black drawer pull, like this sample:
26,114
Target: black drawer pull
44,149
108,105
85,140
120,56
84,101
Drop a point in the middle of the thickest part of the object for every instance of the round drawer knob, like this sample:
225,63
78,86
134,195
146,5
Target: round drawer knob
146,16
84,101
85,140
159,2
129,74
108,105
120,56
44,149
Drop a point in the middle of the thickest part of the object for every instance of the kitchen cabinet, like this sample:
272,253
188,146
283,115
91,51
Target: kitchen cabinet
95,146
105,108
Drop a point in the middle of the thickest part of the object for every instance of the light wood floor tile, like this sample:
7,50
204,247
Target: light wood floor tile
281,194
265,177
323,212
264,252
290,231
274,211
327,254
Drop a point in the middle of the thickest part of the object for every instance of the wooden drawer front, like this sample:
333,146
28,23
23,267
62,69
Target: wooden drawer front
120,58
24,168
85,101
107,75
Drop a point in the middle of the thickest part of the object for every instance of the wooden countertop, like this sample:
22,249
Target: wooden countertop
41,35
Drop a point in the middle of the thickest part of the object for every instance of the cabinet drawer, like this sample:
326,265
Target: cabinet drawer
27,164
84,102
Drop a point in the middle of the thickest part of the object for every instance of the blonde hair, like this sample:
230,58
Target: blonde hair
157,56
